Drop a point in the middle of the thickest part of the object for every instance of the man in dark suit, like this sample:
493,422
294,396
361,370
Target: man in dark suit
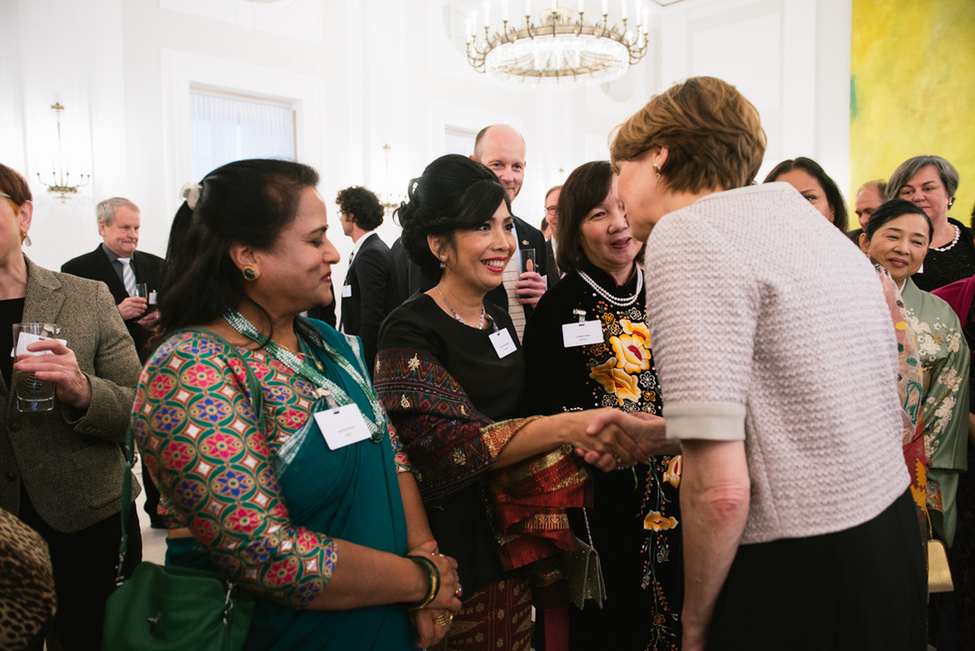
502,149
552,216
118,224
369,292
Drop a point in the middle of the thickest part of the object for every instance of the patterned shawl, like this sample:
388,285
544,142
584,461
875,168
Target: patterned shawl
452,446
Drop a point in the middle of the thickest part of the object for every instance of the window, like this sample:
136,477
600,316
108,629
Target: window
459,141
226,127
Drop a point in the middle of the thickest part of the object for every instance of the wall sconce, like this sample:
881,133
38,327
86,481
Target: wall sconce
61,182
390,201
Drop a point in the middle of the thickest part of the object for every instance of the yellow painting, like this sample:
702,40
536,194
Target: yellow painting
912,90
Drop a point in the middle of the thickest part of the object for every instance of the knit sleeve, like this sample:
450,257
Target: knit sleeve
702,304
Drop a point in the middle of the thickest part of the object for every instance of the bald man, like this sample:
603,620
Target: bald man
869,197
502,149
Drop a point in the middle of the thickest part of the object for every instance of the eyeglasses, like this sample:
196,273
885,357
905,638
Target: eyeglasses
4,194
551,209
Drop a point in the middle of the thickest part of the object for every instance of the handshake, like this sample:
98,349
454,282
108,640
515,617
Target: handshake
609,439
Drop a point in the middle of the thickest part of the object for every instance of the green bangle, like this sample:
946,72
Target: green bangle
433,574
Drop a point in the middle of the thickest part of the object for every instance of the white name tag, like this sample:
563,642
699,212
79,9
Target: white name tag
346,291
25,339
342,426
582,334
502,342
152,297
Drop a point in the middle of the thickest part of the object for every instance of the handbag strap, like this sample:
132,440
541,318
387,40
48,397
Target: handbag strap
257,399
585,517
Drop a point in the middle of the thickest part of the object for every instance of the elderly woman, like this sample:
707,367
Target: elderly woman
815,186
452,375
748,287
275,461
634,522
897,236
931,183
63,468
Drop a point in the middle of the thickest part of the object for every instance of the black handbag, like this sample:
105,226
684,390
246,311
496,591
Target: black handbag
163,608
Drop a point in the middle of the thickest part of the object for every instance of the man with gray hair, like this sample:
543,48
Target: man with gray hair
117,264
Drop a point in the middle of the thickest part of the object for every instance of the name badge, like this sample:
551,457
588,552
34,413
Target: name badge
152,297
583,333
502,342
342,426
346,291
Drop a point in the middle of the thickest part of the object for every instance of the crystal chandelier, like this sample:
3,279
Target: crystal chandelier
561,49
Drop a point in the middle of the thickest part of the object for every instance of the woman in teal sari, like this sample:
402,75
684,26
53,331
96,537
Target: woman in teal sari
276,463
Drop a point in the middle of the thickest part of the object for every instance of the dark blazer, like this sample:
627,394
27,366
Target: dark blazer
70,462
374,292
529,237
96,266
553,265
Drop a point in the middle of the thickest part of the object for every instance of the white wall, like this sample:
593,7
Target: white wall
367,73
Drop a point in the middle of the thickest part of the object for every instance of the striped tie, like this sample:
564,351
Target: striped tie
515,309
128,277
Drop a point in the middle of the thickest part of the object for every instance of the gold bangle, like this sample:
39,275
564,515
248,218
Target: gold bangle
433,574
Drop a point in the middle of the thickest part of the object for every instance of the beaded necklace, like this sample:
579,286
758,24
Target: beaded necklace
333,393
621,302
948,246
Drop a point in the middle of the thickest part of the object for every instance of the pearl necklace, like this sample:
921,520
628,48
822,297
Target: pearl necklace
621,302
948,246
480,322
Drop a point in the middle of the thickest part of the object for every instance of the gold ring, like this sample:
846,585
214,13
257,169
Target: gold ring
444,620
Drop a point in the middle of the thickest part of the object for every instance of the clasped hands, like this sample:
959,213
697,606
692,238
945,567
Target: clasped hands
429,620
616,439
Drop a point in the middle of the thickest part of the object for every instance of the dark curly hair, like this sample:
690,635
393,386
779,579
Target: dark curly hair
453,193
361,206
247,201
840,216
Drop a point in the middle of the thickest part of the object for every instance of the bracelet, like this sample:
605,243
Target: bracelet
433,574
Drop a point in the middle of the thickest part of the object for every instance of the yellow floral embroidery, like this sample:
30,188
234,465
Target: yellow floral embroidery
631,349
672,474
615,381
655,521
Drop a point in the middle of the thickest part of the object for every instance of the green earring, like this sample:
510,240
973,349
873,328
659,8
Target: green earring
249,273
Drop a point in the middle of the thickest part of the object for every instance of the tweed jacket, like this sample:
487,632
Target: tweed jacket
69,461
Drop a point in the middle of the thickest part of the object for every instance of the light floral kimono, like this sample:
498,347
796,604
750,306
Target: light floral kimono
945,363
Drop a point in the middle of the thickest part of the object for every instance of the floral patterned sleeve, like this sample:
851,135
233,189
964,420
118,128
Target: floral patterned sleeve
197,430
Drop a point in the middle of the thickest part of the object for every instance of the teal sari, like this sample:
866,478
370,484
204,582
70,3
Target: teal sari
351,494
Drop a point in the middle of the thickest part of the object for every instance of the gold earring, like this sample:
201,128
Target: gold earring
249,273
656,168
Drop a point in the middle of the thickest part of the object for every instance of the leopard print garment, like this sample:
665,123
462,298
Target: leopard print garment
27,598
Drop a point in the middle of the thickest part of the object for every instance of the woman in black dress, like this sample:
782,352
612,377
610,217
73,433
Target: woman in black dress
451,374
587,346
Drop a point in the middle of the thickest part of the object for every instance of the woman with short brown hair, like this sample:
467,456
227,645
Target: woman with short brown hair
747,289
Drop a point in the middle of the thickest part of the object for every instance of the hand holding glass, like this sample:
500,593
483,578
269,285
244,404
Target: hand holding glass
32,395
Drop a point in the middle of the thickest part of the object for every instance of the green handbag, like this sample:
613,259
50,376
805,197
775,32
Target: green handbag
163,608
169,607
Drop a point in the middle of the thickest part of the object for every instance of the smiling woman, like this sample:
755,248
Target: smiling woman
451,375
633,522
897,236
258,478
